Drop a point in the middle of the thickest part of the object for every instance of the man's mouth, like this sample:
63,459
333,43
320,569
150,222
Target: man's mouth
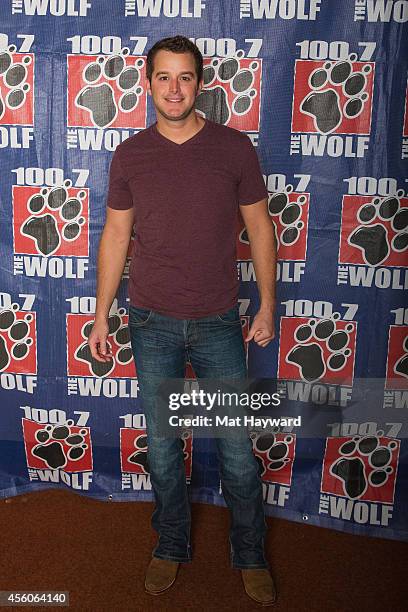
174,99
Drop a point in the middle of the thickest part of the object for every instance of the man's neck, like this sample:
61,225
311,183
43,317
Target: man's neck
180,131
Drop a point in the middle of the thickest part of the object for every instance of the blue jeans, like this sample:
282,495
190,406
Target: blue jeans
214,345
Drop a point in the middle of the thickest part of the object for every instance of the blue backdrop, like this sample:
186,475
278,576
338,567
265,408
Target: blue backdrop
320,87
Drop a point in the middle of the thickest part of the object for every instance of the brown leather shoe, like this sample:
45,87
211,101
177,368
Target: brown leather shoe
160,575
259,586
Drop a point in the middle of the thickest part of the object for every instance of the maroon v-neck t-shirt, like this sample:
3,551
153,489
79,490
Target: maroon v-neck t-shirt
185,199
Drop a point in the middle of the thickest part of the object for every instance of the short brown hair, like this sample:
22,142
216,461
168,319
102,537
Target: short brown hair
175,44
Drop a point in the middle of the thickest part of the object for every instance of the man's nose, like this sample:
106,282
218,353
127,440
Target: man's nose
174,85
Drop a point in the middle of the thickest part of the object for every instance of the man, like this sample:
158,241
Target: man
179,182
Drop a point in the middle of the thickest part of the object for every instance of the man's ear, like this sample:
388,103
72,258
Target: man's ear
200,86
149,90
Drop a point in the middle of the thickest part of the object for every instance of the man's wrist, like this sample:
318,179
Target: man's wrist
101,316
268,306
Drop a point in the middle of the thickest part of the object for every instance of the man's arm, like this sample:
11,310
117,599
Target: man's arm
112,253
263,249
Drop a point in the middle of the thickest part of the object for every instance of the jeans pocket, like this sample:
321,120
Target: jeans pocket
139,316
231,317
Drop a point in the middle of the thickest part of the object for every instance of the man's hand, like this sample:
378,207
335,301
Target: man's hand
98,341
262,330
262,239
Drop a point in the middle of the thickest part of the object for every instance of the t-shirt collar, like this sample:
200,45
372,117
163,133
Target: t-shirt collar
198,135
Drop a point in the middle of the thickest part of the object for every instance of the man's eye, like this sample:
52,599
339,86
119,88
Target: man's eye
186,78
162,78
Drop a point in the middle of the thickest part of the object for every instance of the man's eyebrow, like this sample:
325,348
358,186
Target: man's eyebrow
166,72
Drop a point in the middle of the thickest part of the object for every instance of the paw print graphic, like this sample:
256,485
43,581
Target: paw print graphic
139,456
289,212
185,441
401,365
51,221
58,445
63,446
137,439
16,81
16,341
323,350
107,89
119,344
275,454
308,356
397,358
364,464
381,235
290,216
338,99
231,92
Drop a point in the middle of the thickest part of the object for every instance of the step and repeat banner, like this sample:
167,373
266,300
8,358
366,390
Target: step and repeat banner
320,87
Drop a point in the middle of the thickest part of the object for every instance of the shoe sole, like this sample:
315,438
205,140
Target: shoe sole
262,603
161,590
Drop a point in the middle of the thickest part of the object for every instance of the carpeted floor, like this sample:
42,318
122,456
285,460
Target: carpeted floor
98,552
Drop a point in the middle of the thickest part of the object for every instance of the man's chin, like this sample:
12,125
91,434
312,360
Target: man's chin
176,117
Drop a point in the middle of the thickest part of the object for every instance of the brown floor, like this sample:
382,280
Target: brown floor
98,552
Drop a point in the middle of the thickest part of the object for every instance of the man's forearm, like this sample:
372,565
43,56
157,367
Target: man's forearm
111,261
263,250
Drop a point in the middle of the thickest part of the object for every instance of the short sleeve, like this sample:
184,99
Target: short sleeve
251,187
119,194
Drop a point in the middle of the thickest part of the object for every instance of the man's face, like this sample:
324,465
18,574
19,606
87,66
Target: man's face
174,86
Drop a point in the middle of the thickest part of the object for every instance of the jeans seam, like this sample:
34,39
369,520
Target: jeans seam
250,566
228,322
142,323
172,558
